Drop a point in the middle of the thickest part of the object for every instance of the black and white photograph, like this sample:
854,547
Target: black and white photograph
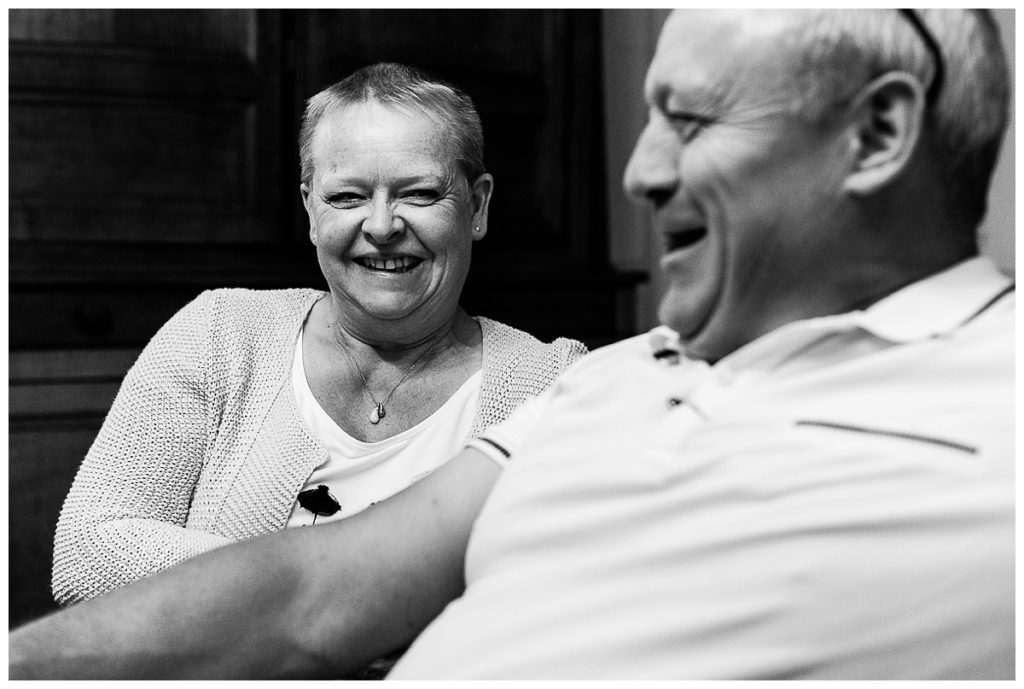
446,343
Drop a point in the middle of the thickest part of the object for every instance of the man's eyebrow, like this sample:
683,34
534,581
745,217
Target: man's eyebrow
689,94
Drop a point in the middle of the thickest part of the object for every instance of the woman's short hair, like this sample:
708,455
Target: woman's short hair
400,86
844,49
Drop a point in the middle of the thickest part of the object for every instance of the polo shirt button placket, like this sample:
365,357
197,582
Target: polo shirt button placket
692,413
684,397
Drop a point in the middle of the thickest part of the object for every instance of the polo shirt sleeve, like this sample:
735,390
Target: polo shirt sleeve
502,440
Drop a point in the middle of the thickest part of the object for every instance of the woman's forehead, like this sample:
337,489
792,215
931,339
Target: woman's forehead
368,117
371,127
354,145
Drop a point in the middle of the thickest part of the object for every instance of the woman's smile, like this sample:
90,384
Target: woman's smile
395,265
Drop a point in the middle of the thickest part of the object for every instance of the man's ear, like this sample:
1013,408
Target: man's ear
482,189
886,128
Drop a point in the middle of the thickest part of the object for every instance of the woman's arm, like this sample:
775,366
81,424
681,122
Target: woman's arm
124,515
311,602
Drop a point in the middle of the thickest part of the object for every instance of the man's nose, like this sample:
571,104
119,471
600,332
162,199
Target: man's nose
652,174
382,225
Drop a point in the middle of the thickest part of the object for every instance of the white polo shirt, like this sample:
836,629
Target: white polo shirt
834,500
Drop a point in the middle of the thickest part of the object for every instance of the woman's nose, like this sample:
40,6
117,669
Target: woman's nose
652,174
382,225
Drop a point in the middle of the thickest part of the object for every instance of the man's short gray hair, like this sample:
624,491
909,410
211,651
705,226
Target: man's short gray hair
400,86
844,49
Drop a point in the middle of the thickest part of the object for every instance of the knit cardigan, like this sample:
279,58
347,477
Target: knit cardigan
204,444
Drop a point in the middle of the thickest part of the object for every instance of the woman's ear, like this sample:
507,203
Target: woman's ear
481,190
304,192
885,130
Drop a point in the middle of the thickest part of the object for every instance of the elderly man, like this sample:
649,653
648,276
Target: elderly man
807,474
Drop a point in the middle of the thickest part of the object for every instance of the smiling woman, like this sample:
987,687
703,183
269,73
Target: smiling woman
253,411
393,218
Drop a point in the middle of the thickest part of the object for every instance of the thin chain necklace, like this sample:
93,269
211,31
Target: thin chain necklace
378,412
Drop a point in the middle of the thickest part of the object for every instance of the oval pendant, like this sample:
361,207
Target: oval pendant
377,414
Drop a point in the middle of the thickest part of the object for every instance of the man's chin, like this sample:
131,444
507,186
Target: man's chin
698,341
686,319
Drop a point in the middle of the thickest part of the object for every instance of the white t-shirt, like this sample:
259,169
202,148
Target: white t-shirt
358,473
834,500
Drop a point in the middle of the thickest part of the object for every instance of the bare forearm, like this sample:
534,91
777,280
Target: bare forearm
203,618
312,602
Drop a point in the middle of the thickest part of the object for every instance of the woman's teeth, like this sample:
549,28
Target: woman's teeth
391,265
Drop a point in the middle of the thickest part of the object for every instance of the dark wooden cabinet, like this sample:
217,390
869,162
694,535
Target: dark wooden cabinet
153,155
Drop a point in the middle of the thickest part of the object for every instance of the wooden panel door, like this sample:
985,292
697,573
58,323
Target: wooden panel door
144,167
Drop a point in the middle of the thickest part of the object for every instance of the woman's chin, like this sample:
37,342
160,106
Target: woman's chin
393,311
387,312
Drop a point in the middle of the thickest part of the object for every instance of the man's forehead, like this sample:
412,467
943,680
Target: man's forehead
740,24
704,54
682,65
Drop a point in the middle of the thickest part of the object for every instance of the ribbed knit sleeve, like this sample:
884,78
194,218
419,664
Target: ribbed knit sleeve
125,514
517,366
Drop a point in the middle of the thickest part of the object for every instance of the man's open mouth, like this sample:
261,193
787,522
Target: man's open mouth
401,264
685,238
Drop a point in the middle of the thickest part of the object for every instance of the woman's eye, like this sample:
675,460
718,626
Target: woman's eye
421,195
343,199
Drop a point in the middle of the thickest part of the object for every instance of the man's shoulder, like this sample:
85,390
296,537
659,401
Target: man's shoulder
606,358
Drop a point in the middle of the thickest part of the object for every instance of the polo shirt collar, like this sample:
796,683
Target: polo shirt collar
933,306
936,305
